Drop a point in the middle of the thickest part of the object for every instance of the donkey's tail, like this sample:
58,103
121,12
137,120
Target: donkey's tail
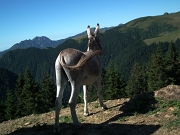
87,56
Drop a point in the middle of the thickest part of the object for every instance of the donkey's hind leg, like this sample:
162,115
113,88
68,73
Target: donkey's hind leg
86,112
61,81
72,102
99,93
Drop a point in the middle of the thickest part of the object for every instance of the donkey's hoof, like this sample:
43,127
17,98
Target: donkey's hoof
86,114
104,108
78,125
56,130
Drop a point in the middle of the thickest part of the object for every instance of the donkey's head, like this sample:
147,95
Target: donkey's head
94,42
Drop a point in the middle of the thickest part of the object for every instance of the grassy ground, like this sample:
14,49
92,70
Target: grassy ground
142,115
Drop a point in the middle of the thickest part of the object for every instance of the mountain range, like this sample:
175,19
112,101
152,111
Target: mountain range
44,42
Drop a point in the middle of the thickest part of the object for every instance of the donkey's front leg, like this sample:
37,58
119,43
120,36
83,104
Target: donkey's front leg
72,103
99,93
86,112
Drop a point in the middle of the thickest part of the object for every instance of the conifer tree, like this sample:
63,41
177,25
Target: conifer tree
137,82
9,105
46,95
172,65
2,111
156,71
19,96
92,93
30,93
114,83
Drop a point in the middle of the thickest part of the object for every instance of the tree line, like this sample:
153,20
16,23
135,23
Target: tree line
28,97
162,69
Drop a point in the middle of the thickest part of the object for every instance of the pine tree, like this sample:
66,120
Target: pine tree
30,93
92,92
9,105
2,111
172,65
137,82
19,96
114,83
46,95
156,71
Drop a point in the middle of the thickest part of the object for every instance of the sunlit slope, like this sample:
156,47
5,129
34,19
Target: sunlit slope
144,23
151,29
164,37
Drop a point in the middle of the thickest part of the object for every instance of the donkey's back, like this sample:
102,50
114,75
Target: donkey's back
80,67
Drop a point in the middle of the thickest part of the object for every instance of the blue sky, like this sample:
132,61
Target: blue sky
58,19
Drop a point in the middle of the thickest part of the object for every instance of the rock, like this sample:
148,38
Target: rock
169,92
27,123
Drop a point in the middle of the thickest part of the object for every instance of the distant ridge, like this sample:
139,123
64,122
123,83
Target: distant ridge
43,42
38,42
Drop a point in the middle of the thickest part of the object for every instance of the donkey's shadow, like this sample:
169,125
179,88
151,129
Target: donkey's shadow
90,129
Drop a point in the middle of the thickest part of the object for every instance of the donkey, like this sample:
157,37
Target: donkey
80,69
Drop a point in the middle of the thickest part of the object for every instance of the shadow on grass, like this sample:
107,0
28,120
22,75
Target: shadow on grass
93,113
90,129
140,104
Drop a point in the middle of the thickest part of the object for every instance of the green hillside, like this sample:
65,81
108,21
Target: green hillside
162,28
165,21
164,37
144,22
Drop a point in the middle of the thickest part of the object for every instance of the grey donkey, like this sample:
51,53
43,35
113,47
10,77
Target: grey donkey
80,69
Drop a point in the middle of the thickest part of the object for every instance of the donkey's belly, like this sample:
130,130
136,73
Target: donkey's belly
89,80
92,71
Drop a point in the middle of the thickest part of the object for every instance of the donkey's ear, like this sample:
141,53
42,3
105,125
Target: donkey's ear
89,33
96,32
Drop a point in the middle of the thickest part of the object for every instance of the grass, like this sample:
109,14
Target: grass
153,107
162,105
96,105
136,113
164,37
111,109
172,124
65,119
123,118
145,22
68,119
176,122
81,119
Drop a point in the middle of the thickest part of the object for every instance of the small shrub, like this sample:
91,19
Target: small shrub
65,119
96,105
123,118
